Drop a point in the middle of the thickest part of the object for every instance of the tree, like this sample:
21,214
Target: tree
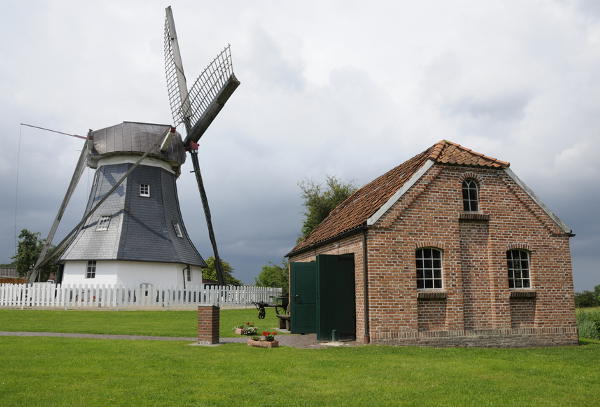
273,275
210,273
588,298
319,203
28,250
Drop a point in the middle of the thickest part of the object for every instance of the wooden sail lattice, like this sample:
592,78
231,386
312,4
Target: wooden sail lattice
172,71
209,84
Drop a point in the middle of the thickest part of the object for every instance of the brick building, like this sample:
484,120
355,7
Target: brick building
451,248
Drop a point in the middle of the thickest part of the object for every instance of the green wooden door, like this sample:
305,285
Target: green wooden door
303,289
336,309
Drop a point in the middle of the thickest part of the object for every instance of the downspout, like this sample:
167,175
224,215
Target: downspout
367,337
183,271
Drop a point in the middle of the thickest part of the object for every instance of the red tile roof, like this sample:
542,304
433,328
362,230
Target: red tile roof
352,213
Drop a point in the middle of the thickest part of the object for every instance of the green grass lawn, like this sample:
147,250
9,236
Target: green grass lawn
91,372
160,323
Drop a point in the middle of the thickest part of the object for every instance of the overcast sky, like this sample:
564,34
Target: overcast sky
345,88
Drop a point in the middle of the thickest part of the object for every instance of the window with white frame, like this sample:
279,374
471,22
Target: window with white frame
103,223
429,268
188,273
470,192
177,228
91,269
145,190
518,269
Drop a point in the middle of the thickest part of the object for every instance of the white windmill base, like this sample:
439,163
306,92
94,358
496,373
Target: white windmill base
132,273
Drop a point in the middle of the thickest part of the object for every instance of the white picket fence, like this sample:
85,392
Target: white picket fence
43,295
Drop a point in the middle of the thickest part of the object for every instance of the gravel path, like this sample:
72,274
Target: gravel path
99,336
294,341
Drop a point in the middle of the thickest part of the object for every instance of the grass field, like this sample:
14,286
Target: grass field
159,323
89,372
92,372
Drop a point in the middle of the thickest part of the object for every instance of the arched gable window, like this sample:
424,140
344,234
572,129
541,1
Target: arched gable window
470,192
429,268
518,268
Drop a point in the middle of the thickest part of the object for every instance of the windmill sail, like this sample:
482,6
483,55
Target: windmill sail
209,94
176,82
61,210
198,107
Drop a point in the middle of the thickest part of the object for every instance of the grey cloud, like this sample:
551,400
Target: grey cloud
497,107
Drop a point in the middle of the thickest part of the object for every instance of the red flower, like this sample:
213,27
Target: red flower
265,333
273,333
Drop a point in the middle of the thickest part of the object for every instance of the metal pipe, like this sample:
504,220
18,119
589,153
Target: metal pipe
54,131
367,336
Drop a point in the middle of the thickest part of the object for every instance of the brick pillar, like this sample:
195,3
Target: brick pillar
208,324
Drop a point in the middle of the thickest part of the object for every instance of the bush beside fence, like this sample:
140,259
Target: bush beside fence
42,295
588,323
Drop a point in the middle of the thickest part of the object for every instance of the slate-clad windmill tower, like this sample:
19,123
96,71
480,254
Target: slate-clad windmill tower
132,231
137,235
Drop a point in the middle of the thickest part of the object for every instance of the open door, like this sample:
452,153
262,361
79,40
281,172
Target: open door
336,299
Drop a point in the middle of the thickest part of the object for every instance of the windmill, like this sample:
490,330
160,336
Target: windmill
131,160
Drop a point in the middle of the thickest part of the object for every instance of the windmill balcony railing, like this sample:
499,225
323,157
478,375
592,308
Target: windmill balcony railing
42,295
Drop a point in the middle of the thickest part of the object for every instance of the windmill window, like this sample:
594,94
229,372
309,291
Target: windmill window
91,269
145,190
103,223
429,268
470,192
189,273
177,228
518,269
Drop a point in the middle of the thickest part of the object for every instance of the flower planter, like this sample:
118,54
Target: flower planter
263,344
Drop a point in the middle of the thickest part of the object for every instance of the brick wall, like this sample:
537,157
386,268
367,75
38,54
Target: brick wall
431,315
208,324
477,309
478,305
522,312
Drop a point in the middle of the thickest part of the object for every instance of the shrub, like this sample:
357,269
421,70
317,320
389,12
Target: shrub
249,330
589,324
269,336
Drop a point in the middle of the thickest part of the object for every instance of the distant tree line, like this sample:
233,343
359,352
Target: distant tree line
588,298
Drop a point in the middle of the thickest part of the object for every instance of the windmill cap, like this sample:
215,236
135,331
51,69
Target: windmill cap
134,138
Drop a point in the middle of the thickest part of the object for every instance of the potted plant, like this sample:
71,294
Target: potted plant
267,340
247,328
